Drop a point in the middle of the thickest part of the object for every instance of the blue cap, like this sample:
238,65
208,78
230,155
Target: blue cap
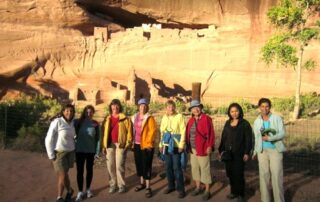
143,101
195,103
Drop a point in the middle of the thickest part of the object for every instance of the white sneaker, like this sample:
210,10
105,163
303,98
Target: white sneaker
79,196
89,194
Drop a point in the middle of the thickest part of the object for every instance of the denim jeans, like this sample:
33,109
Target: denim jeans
174,172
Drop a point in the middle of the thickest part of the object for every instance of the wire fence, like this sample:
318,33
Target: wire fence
25,128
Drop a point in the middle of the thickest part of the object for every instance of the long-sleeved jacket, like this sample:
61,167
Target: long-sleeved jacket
88,136
174,124
148,132
276,123
124,133
60,137
204,137
238,137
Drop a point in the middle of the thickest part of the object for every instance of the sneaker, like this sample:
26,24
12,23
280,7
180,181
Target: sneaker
69,195
240,199
60,199
196,192
89,194
206,196
181,194
168,190
112,189
231,196
122,189
79,196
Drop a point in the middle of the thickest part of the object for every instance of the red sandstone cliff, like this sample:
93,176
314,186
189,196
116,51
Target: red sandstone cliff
48,47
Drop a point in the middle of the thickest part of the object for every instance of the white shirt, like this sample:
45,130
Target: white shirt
60,137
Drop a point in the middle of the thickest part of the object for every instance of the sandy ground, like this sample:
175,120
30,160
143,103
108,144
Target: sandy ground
26,176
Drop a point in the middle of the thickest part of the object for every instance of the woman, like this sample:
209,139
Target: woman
235,148
60,147
116,139
144,132
87,138
200,143
269,132
172,144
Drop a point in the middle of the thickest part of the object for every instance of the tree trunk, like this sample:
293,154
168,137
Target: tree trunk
296,110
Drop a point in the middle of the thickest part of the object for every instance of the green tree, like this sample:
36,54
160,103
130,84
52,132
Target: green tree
295,29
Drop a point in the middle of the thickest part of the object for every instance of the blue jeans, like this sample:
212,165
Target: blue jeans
174,172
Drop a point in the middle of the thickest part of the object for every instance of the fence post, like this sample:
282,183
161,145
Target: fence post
5,126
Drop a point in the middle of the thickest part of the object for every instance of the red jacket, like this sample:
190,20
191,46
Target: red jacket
204,135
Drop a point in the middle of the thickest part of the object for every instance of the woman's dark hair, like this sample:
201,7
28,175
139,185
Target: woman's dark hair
264,100
115,102
236,105
64,107
84,112
83,116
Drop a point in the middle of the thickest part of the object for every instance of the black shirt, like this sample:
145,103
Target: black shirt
238,138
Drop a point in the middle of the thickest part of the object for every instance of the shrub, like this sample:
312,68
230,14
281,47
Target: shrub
208,109
309,102
221,110
181,106
26,121
283,105
27,111
155,107
30,138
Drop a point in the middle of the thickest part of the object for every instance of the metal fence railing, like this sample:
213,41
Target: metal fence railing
23,128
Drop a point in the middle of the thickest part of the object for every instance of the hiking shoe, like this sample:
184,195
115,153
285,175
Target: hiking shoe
112,189
69,195
89,193
79,196
181,194
168,190
206,196
231,196
60,199
196,192
240,199
122,189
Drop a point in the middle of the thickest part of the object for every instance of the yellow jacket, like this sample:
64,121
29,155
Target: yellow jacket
124,135
174,124
148,133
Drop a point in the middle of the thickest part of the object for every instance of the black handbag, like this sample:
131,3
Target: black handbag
226,155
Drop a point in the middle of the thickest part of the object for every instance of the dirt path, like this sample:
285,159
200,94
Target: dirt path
26,176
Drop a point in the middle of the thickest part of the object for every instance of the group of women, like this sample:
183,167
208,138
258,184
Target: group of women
82,139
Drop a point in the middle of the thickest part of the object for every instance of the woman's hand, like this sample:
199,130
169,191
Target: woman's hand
180,150
245,157
209,150
254,157
104,151
161,149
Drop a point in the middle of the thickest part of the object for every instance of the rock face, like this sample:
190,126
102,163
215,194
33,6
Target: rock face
53,48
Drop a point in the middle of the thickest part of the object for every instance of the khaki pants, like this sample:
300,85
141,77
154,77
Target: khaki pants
200,168
116,158
271,168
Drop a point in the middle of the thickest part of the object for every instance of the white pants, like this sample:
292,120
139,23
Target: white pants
271,169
